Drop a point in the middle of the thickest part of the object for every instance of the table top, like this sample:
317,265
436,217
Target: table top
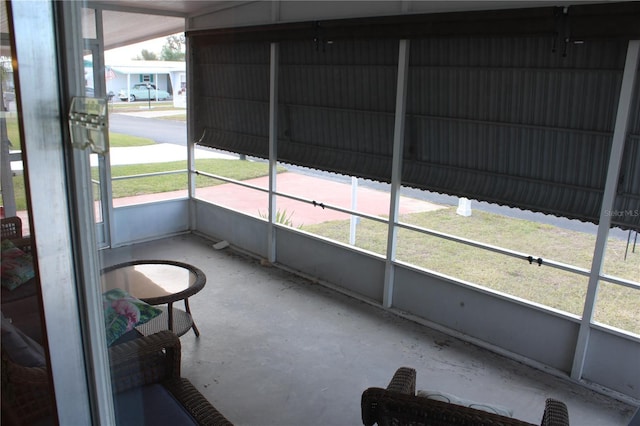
154,281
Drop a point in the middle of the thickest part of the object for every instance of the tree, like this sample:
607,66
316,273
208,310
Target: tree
173,50
146,55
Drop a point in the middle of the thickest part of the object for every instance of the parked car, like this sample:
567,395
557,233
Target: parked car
143,91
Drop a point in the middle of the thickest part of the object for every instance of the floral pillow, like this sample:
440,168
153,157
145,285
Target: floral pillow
17,266
122,312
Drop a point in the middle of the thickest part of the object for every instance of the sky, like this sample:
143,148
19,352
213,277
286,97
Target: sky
127,53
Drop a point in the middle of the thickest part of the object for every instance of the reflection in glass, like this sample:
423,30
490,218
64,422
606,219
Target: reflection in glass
27,395
89,23
96,188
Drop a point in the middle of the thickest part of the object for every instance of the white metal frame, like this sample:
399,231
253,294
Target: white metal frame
396,171
615,160
274,62
66,256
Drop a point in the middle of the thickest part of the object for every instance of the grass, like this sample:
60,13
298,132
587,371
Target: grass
178,117
118,140
115,139
616,306
116,107
234,169
13,133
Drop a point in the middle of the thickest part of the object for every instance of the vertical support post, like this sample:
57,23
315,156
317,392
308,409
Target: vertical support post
85,248
275,11
354,205
67,258
104,160
273,149
6,174
608,199
396,170
191,137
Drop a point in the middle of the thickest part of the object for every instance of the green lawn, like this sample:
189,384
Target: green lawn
138,106
178,117
233,169
118,140
617,305
12,129
115,139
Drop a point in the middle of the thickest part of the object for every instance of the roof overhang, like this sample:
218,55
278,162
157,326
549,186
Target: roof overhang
126,22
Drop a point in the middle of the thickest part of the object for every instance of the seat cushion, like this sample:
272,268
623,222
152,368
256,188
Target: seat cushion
151,405
19,347
17,266
453,399
27,289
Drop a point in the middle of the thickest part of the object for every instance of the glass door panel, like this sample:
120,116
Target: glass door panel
27,394
94,83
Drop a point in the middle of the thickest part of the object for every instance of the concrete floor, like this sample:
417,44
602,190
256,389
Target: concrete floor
276,349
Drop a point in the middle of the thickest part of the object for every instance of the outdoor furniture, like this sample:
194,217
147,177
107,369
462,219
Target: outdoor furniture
399,405
146,381
11,227
157,282
23,298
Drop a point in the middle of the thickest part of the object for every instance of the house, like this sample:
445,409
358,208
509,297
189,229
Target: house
164,75
578,136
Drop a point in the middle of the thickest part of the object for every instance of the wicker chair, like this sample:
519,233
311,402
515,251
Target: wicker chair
11,227
398,405
139,362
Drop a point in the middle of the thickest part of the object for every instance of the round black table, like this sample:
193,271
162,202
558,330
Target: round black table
159,282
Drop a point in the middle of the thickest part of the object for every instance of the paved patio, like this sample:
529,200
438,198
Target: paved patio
276,349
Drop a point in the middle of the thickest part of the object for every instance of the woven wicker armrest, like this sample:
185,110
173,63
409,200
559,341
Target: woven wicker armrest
195,403
555,413
23,243
392,408
146,360
403,381
26,394
11,227
398,405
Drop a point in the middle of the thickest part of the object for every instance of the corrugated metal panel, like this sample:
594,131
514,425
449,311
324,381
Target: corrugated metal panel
232,97
337,102
628,198
511,121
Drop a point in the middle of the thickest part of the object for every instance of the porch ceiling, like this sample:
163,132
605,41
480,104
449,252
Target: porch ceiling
122,20
124,25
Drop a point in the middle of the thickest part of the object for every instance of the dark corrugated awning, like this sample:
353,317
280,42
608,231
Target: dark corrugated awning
520,115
